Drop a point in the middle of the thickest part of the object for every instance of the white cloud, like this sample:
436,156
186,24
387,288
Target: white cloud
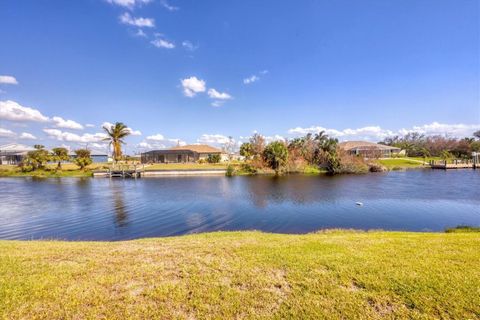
134,132
217,103
158,141
73,137
156,137
128,3
5,133
27,136
251,79
140,33
214,94
189,45
276,137
127,18
455,130
192,86
89,125
68,124
254,78
167,6
162,43
376,133
8,80
11,110
216,139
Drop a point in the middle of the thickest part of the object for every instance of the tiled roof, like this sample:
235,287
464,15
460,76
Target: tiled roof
365,145
199,148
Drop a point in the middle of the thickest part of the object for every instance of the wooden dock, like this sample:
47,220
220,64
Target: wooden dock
456,164
126,171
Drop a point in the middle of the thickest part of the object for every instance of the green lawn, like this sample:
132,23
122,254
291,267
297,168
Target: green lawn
401,163
331,275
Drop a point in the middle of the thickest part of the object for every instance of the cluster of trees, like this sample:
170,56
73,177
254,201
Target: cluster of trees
419,145
38,158
316,150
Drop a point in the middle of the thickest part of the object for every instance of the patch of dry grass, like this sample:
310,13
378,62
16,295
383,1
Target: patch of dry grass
329,275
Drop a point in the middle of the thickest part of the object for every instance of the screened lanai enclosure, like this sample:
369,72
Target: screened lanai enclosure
181,154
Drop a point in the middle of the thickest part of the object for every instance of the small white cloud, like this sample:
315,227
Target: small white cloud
264,72
167,6
192,86
127,18
251,79
134,132
156,137
162,43
5,133
89,125
214,94
11,110
130,4
8,80
68,124
73,137
189,45
218,103
27,136
140,33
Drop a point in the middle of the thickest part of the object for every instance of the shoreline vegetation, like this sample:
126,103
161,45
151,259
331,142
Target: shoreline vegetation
311,154
239,168
326,275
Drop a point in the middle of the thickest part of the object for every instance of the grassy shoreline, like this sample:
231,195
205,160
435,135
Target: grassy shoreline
70,170
330,275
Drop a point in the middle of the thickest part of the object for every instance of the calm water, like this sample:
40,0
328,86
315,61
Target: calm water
103,209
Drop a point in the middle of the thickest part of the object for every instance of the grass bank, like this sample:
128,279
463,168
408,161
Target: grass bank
50,171
331,275
402,163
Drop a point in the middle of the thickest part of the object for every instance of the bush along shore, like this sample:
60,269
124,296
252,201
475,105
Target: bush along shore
245,275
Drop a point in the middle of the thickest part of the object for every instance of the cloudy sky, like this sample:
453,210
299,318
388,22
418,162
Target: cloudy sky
190,71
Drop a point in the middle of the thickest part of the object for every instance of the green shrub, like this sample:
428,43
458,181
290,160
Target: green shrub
275,156
83,158
213,158
230,171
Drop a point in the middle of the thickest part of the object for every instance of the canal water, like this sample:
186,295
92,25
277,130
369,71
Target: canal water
104,209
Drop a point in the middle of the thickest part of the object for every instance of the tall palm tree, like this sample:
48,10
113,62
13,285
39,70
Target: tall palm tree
116,133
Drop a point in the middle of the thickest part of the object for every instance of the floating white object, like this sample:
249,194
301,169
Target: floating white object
359,203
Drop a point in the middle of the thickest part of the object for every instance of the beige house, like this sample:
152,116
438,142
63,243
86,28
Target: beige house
180,154
368,149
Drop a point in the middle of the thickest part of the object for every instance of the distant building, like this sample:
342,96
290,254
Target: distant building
97,156
13,153
368,149
181,154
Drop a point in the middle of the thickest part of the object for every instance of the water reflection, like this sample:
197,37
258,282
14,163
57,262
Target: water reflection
104,209
121,213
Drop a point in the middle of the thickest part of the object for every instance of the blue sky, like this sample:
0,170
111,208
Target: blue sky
198,71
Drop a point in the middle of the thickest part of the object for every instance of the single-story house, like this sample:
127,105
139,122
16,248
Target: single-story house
13,153
97,156
368,149
180,154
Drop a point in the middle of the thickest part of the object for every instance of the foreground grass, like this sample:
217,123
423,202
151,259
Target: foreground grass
332,275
